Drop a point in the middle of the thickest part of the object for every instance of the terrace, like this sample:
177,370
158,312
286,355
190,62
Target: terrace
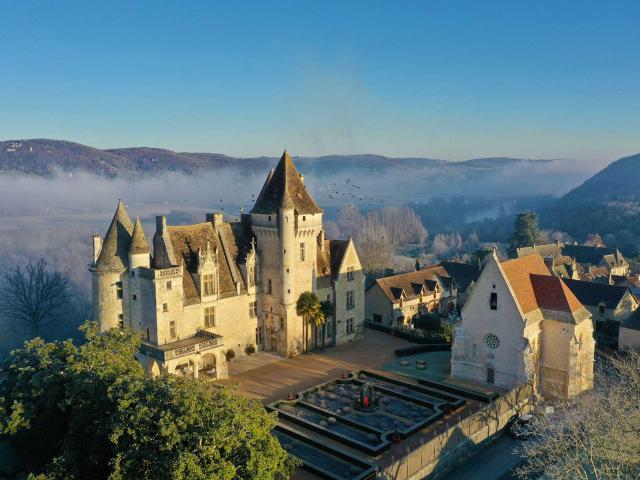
316,396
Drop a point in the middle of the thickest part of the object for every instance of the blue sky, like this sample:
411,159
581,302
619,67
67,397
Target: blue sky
442,79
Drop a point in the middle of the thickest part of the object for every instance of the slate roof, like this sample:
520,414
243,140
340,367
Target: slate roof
139,243
593,294
632,321
284,189
187,240
545,250
328,262
462,273
114,254
593,255
535,288
394,285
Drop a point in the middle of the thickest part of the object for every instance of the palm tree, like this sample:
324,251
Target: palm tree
327,311
308,307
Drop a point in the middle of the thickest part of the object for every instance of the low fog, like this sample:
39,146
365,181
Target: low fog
53,218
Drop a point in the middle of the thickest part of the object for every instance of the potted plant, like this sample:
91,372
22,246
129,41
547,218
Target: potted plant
230,355
249,349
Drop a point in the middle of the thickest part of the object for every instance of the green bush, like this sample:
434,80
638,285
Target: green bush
429,322
249,349
230,354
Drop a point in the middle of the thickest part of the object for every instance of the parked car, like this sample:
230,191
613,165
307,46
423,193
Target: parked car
523,427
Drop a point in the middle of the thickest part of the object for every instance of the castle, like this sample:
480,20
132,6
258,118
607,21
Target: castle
216,286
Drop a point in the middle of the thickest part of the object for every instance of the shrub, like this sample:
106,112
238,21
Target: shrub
249,349
230,354
428,321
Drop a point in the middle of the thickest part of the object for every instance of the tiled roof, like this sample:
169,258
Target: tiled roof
114,253
284,189
552,293
394,285
593,294
518,272
545,250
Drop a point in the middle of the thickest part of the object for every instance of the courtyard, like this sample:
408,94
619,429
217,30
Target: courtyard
317,396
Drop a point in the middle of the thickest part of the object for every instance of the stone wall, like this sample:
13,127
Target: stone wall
434,458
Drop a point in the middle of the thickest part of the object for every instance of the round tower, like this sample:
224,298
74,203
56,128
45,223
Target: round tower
110,265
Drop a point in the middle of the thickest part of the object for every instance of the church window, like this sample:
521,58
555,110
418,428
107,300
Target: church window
493,301
169,285
121,321
172,329
350,274
349,326
351,300
165,307
209,317
118,289
253,309
269,287
302,252
492,341
252,276
209,284
304,219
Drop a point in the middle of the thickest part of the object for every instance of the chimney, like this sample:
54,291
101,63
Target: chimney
97,247
161,225
215,218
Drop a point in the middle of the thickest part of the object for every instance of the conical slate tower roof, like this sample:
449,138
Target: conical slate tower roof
284,190
115,248
139,241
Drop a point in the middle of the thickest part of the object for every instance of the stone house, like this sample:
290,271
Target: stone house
629,336
609,305
216,286
394,301
579,259
521,324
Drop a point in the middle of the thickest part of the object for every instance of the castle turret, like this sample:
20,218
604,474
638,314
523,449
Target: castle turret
109,269
286,222
139,252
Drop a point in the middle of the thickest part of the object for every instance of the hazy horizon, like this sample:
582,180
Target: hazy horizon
449,80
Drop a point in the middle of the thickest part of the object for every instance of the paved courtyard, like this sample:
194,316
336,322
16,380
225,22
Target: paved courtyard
274,379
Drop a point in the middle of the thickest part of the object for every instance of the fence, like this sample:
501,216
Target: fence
455,443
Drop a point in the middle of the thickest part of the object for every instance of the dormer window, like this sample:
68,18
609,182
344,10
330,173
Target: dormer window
209,284
350,274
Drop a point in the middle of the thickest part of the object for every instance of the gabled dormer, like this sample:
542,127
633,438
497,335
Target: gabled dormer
208,275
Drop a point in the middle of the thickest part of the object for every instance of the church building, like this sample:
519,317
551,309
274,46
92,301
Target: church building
521,324
208,288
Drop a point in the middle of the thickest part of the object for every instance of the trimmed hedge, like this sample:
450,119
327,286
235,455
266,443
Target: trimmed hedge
407,335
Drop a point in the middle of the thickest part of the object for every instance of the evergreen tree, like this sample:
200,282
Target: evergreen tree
526,231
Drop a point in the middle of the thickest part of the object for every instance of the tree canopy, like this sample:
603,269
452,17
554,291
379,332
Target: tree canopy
526,230
595,435
91,412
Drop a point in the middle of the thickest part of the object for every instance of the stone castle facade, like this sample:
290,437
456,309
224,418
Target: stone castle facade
208,288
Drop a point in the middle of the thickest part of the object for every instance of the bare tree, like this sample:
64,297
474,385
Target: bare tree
34,297
595,435
374,248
